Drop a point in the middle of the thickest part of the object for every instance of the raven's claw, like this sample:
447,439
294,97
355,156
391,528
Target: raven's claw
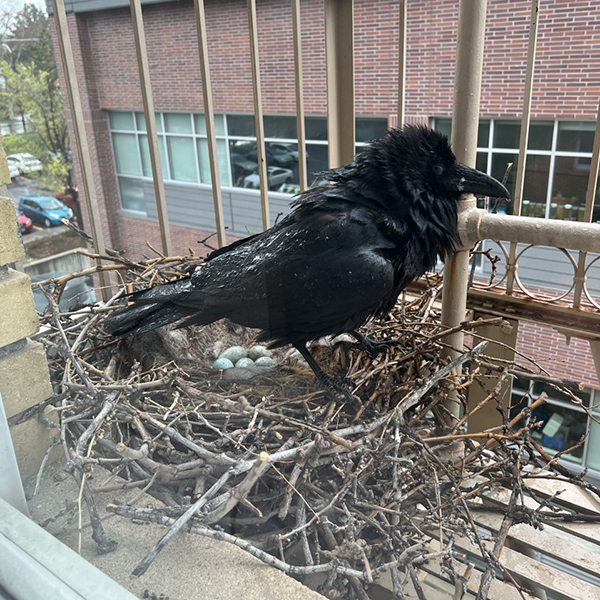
371,346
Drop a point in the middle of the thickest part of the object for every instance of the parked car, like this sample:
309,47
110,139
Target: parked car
25,223
282,153
13,168
45,210
275,175
27,163
242,163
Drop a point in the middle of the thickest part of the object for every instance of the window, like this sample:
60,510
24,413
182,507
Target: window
562,423
557,168
184,156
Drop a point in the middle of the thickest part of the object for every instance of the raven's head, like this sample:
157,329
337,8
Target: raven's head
425,166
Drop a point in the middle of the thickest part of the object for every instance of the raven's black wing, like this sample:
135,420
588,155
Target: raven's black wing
316,274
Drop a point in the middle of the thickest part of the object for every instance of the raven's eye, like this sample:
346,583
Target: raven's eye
438,169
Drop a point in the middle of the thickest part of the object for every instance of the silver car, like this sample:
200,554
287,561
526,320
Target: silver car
275,175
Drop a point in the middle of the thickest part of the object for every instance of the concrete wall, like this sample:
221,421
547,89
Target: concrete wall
24,376
67,262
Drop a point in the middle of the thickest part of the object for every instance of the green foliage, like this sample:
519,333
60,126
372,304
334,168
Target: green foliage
37,94
54,175
29,87
17,143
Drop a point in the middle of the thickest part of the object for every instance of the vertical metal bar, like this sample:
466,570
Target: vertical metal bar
589,208
402,62
525,119
297,32
209,117
339,52
465,124
258,115
89,190
148,102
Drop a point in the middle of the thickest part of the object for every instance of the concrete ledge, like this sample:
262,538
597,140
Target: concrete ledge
24,378
31,440
18,318
11,249
189,568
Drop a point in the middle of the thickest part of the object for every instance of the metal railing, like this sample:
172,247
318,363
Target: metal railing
475,224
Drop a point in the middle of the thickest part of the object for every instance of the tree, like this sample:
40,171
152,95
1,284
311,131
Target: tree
29,86
37,93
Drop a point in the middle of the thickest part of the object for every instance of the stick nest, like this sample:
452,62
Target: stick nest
381,488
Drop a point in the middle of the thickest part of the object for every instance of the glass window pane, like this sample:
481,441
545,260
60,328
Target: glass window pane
126,154
540,135
140,120
569,188
178,123
575,136
481,162
499,166
483,133
316,128
132,194
205,162
242,125
506,133
243,161
444,126
145,154
317,161
535,190
560,429
280,127
200,122
121,120
182,158
593,453
370,129
283,156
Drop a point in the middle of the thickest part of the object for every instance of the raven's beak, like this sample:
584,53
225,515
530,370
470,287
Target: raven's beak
467,180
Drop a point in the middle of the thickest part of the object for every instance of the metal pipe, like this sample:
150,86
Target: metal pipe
79,132
258,115
525,119
479,224
146,88
297,34
339,56
465,119
589,208
402,62
209,118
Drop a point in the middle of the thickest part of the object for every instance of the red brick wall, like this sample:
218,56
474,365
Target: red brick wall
571,360
567,81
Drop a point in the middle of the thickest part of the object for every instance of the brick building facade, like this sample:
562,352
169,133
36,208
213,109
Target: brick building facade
567,84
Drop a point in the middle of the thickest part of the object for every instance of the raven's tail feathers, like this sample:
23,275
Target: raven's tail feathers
152,308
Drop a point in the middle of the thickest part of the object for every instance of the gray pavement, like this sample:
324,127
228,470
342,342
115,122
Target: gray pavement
190,567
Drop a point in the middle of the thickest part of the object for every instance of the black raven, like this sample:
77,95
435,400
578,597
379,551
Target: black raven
340,257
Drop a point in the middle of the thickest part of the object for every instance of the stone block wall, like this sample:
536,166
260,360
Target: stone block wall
24,376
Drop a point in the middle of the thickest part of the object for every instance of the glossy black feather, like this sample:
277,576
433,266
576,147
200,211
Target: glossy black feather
343,255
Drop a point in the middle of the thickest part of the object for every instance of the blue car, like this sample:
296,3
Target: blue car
45,210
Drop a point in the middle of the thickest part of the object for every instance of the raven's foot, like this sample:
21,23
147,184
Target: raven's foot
337,388
371,346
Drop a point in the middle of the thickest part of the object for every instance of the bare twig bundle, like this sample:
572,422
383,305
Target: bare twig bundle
269,464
